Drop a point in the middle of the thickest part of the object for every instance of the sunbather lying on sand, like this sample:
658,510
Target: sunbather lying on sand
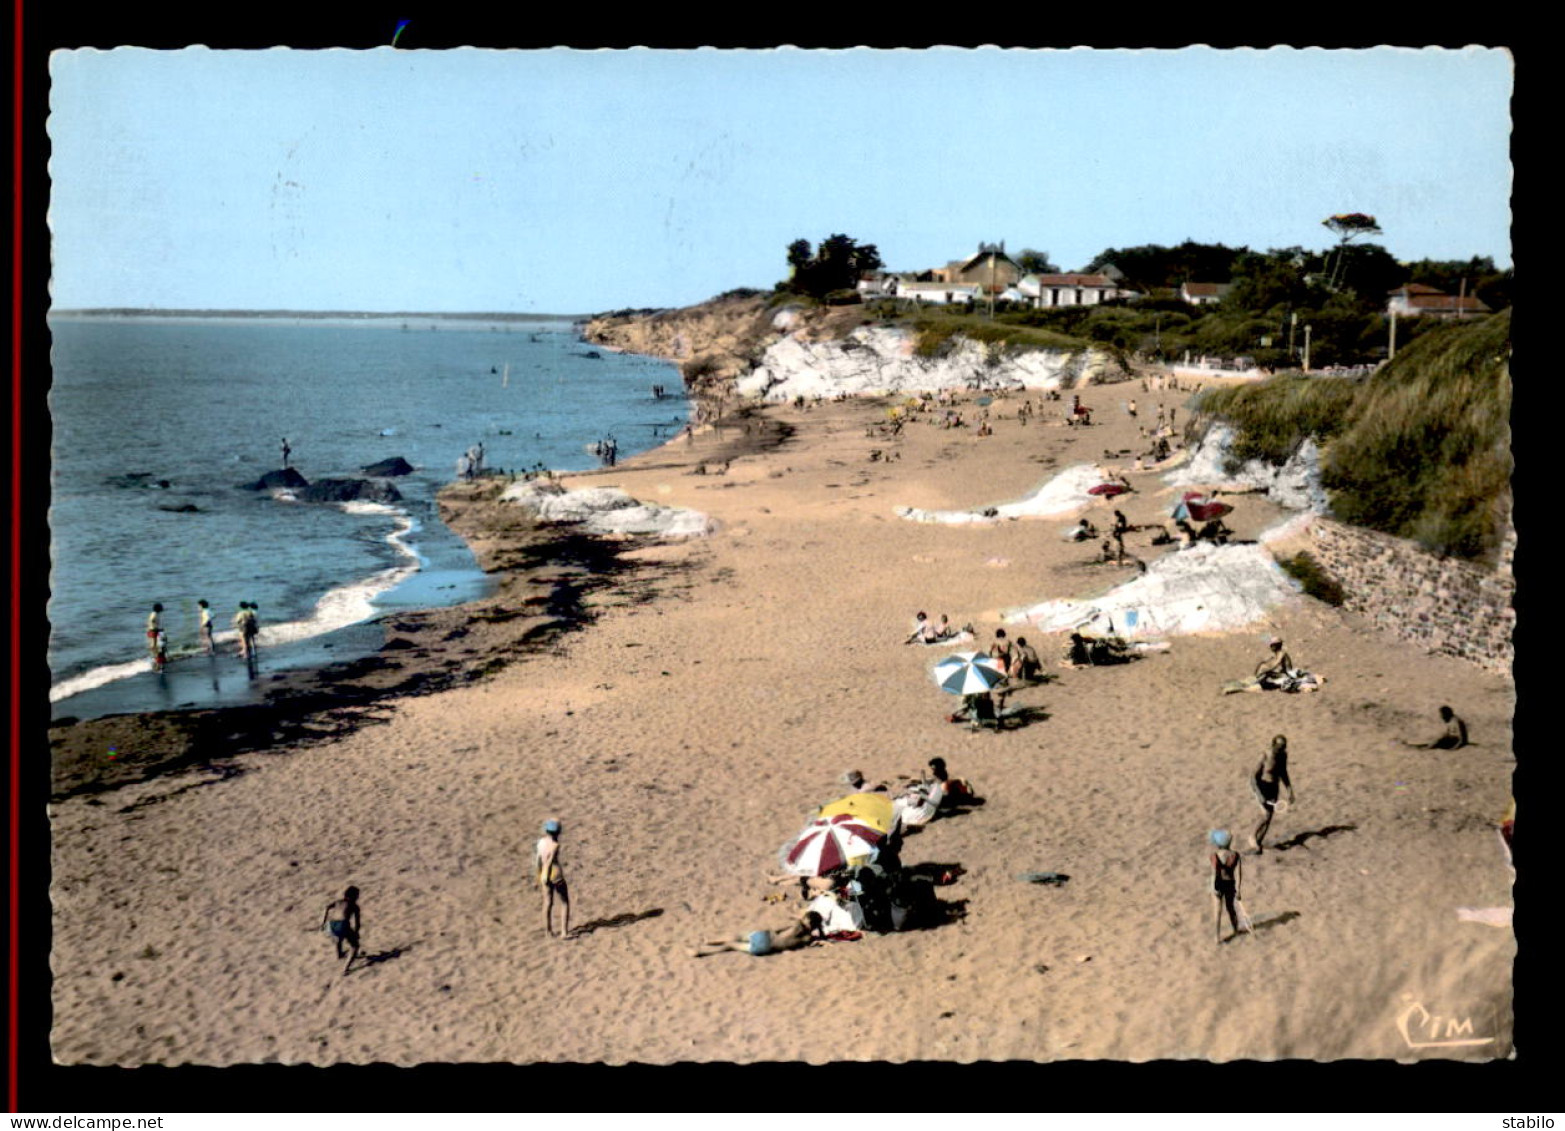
806,931
1095,651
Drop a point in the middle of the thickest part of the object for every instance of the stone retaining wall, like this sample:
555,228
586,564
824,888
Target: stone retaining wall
1445,605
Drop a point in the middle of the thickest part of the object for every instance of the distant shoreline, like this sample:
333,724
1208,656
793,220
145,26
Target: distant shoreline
468,316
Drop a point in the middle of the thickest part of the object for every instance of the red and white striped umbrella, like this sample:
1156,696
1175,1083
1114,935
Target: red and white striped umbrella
827,844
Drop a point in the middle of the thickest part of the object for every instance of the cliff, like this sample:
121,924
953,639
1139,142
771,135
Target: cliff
779,350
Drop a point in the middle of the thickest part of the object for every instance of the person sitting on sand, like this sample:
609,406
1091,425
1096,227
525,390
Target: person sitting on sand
551,878
948,791
1024,661
1454,737
343,921
923,632
944,631
1000,651
806,931
1214,531
913,808
837,915
1275,670
978,709
1083,651
1267,783
1186,535
1081,532
811,886
1226,876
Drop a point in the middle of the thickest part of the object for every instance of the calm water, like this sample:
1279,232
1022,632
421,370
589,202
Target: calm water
204,405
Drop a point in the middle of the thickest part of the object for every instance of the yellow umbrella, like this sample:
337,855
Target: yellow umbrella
874,809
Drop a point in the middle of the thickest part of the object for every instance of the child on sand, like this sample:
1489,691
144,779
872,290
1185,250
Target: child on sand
1226,870
1268,781
342,920
806,931
551,878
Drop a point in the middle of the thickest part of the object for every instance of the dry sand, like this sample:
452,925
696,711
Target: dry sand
720,689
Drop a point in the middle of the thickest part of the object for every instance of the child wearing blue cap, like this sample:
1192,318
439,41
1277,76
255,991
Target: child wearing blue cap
1225,883
551,877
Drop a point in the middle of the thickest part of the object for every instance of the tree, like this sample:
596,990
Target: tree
1348,226
838,264
1035,262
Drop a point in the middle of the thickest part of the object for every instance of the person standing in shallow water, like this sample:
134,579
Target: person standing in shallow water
205,630
154,626
551,878
287,451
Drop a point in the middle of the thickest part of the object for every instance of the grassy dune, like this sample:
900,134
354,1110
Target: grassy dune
1420,449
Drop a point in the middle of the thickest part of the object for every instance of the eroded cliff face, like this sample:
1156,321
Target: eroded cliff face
715,341
782,351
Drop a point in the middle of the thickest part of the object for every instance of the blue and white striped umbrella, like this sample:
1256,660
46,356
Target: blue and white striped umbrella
968,673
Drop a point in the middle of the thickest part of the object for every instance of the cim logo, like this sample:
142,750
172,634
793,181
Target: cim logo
1424,1030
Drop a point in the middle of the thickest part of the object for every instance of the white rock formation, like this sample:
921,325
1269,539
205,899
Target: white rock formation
1206,588
1296,484
882,360
1060,495
606,510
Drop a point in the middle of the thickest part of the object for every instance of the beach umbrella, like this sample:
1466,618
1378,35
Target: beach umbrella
873,809
1196,507
1108,490
827,844
984,402
968,673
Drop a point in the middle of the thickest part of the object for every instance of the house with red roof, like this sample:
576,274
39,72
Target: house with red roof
1415,300
1070,289
1204,294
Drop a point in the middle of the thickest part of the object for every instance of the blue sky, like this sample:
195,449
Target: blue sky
576,181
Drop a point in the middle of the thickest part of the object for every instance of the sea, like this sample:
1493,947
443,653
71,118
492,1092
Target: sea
159,421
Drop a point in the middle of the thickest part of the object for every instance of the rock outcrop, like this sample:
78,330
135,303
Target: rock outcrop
349,491
606,510
1296,484
387,468
282,479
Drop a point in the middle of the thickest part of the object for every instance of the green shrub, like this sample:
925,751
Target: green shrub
1304,569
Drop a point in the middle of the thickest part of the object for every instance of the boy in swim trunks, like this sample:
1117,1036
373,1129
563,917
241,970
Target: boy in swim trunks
154,626
1271,776
803,933
206,627
551,877
342,920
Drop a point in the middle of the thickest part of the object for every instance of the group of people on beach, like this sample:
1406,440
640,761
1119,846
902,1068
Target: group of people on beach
247,627
874,893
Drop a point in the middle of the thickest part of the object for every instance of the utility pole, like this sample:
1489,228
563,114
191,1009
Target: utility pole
1307,329
1461,300
1293,324
1392,352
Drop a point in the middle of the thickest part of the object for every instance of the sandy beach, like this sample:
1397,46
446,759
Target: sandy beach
683,707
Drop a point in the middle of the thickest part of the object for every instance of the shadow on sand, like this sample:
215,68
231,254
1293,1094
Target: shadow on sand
623,920
1300,839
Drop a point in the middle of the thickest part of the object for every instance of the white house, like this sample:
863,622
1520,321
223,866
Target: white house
1416,299
941,294
1204,294
1070,289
